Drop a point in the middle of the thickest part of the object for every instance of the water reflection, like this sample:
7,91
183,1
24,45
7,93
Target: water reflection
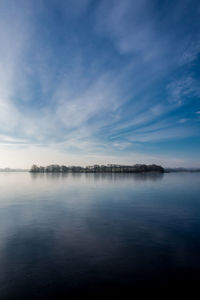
151,176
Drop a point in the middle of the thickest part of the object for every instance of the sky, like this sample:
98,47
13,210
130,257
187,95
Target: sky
99,81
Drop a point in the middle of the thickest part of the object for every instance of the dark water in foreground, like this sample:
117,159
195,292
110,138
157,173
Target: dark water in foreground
100,235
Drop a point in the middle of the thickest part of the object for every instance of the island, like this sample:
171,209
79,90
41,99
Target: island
110,168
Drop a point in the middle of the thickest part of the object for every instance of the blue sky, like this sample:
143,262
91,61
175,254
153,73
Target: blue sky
85,81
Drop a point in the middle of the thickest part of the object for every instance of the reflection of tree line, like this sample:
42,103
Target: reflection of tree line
112,168
152,176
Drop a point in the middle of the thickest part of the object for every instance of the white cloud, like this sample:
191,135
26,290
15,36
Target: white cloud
7,139
165,134
184,120
179,90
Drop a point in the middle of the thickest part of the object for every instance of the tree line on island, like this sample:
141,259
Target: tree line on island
110,168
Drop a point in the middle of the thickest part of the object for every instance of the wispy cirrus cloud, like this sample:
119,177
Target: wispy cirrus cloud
97,78
182,89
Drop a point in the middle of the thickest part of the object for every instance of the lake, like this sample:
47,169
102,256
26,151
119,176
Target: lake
65,236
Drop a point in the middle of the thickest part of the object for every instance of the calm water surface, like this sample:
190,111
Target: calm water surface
100,235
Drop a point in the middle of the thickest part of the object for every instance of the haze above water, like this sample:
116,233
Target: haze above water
69,235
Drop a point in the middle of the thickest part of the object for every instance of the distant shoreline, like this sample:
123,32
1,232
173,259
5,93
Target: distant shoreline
139,168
